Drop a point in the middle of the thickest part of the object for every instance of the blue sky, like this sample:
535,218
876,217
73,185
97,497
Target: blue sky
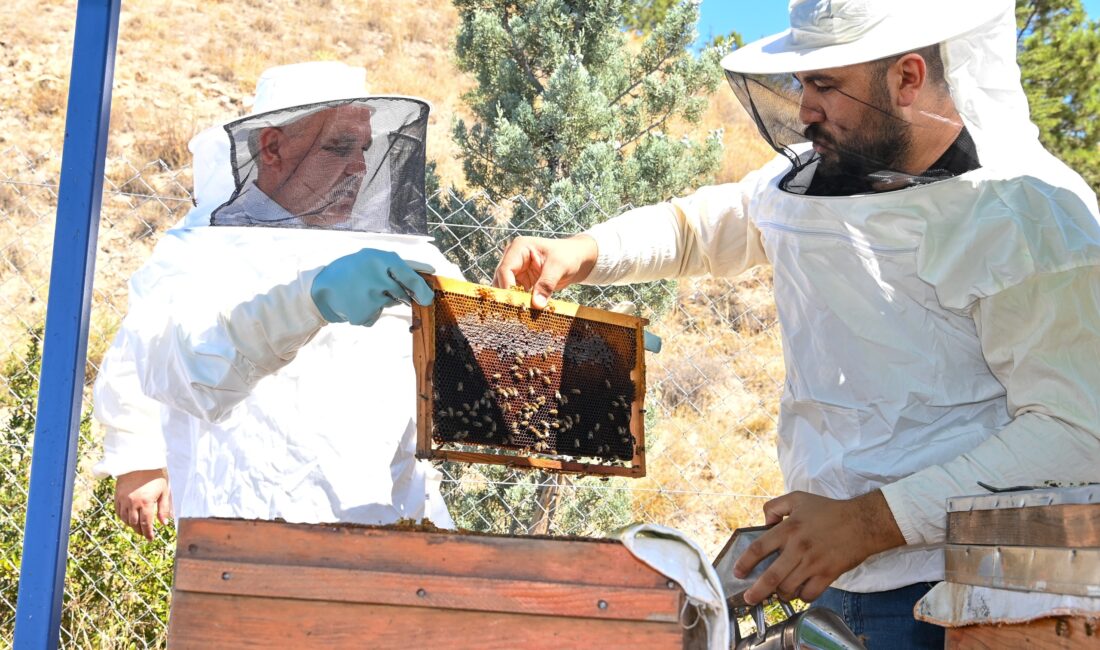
756,18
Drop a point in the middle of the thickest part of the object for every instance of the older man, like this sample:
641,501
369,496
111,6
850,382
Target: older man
937,278
241,344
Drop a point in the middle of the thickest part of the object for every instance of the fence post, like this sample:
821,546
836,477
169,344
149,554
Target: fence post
53,463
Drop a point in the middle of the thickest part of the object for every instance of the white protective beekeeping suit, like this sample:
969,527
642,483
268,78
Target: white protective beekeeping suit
264,410
935,335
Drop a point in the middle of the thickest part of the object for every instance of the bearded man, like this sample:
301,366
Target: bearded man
937,279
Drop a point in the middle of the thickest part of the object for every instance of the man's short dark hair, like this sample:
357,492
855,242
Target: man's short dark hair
933,62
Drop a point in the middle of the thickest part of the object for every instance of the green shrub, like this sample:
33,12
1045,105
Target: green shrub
117,584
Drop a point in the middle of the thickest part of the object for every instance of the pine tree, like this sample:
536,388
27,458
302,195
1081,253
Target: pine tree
571,117
1060,65
563,109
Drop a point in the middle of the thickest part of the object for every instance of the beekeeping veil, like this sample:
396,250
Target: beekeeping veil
318,153
976,42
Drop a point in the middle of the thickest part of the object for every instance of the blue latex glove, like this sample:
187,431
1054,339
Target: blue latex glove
652,342
356,288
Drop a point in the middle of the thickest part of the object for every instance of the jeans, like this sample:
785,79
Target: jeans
884,620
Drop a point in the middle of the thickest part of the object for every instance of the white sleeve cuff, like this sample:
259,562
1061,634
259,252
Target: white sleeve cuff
908,516
125,452
608,255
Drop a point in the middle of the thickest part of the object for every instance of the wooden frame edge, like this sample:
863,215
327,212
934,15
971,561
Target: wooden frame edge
536,463
423,326
519,298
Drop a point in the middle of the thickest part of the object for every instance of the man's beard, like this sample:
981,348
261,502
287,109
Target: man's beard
336,206
879,145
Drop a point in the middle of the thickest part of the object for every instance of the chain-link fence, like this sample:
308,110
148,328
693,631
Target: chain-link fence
710,431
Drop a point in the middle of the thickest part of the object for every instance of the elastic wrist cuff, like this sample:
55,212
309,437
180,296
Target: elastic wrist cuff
896,500
608,246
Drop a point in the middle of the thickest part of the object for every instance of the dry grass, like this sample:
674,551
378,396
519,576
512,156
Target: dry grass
10,201
180,70
47,96
744,150
165,141
711,455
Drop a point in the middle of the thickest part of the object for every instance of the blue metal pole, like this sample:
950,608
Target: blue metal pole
53,464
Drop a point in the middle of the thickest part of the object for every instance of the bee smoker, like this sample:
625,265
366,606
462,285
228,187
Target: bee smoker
817,628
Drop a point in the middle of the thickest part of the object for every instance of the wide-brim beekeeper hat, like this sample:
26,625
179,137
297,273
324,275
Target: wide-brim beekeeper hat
303,84
347,160
835,33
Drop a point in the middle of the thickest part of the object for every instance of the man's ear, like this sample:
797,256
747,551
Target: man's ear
271,140
910,78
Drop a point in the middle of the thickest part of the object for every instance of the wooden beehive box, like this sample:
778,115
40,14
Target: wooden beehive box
559,389
1043,541
261,584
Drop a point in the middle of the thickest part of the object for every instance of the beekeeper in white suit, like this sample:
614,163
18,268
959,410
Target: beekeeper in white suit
267,337
937,279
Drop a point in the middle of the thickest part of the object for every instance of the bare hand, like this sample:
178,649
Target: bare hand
142,497
543,266
819,539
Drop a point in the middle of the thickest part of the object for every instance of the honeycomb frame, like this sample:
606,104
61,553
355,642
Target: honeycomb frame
559,389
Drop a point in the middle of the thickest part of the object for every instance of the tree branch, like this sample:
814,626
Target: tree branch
501,168
1027,23
521,59
649,128
634,85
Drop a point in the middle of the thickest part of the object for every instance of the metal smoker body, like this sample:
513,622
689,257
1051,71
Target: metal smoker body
817,628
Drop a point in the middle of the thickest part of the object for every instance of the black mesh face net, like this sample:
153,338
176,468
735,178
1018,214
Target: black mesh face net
345,165
844,135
